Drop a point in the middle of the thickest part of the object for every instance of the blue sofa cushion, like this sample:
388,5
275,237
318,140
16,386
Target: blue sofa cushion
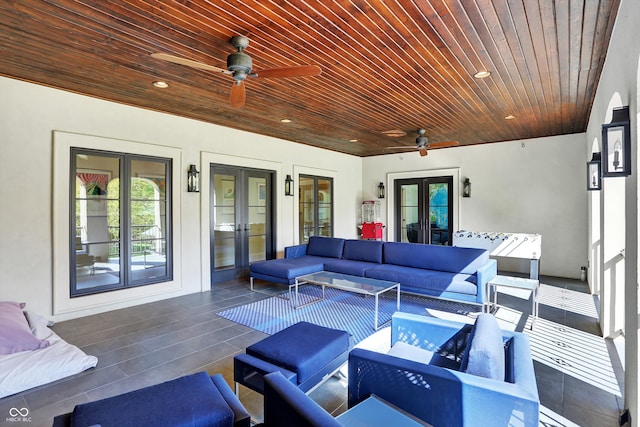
330,247
419,280
435,257
288,268
191,400
486,353
363,250
303,348
352,268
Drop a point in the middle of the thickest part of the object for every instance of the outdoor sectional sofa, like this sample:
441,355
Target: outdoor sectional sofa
446,272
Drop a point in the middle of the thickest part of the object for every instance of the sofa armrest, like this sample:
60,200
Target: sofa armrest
295,251
485,273
287,405
438,395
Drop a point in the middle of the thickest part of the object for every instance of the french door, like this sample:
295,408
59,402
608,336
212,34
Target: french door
424,207
240,220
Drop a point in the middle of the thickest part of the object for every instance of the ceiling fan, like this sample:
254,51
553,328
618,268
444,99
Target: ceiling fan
422,144
239,67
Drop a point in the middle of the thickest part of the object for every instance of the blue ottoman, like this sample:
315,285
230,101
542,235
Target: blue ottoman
306,354
192,400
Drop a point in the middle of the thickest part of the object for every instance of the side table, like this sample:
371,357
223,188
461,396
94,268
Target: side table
517,283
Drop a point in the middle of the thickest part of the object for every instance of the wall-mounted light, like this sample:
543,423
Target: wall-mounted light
616,144
466,188
193,181
381,191
594,172
288,186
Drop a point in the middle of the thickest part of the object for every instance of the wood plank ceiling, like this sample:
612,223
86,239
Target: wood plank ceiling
387,65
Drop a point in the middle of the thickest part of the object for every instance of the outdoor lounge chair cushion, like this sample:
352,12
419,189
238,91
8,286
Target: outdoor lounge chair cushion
186,401
315,347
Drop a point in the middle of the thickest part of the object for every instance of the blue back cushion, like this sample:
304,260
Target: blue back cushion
363,250
330,247
435,257
485,352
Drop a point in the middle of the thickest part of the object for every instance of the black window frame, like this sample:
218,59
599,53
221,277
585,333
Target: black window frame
316,203
125,230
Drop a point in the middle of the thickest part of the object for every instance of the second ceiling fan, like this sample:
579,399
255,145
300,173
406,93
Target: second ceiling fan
239,67
423,144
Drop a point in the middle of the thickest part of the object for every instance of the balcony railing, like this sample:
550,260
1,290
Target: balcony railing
145,239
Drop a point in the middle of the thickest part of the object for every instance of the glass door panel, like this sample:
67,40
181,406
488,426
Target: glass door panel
240,221
96,259
224,221
148,247
324,208
257,214
439,213
409,213
424,209
307,220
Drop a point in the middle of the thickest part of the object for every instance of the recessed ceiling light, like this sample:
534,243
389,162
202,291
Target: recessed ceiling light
509,117
285,120
394,133
483,74
160,84
353,140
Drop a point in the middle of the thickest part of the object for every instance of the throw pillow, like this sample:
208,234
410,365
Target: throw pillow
15,333
485,352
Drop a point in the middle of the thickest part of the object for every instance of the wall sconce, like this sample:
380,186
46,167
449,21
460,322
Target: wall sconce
381,191
594,173
616,144
466,188
288,186
193,182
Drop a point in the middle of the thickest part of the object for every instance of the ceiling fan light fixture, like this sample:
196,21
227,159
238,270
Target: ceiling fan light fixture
353,140
509,117
160,84
481,74
285,120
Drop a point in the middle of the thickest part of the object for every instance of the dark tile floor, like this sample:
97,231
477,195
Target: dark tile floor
155,342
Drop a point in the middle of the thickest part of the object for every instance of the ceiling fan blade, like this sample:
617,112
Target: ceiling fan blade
444,144
189,63
298,71
237,94
423,152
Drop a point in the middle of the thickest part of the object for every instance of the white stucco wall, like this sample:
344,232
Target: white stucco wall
28,116
613,220
529,186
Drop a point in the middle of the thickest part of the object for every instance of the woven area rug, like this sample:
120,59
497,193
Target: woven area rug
342,310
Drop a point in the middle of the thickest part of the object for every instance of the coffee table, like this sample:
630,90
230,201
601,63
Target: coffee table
345,282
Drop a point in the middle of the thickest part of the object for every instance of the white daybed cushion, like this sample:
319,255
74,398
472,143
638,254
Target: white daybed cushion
28,369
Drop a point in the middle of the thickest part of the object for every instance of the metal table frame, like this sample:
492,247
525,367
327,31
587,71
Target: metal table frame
532,285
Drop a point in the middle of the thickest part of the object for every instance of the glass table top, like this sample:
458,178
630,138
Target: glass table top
345,281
